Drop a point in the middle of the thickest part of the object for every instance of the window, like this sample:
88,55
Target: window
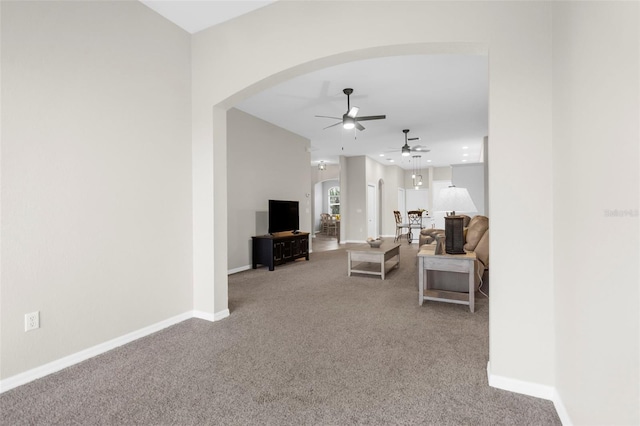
334,200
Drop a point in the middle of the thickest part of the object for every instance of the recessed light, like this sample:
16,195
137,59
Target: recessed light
465,155
464,161
465,147
381,155
428,161
390,160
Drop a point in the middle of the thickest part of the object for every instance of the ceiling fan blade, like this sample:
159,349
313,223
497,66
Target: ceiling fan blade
371,117
359,126
420,150
353,112
326,116
414,139
339,122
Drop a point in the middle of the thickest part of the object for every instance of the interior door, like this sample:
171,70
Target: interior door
401,204
372,208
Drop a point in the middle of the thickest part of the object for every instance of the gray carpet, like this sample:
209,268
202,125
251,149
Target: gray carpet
304,344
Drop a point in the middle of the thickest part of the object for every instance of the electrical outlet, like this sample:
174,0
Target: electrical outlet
32,321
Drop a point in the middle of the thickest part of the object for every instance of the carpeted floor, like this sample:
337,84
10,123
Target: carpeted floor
304,344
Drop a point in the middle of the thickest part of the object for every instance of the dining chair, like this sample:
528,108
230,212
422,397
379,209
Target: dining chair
415,222
400,226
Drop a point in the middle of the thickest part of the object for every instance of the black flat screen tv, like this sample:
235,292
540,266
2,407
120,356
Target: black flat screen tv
283,216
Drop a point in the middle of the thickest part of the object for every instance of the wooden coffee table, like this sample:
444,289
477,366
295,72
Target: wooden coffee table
373,259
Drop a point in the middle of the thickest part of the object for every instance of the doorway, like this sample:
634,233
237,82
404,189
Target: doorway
402,207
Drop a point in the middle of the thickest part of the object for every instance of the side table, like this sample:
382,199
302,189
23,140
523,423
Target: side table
462,263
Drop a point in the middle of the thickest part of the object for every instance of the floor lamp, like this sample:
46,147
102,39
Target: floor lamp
450,200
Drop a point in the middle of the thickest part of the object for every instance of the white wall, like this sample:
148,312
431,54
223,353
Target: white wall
596,254
96,176
354,215
392,181
471,177
442,173
266,163
417,199
375,173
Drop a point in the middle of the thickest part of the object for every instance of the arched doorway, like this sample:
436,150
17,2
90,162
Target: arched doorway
219,151
218,277
229,64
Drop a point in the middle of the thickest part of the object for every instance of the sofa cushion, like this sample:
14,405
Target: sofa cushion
430,231
428,235
482,250
477,227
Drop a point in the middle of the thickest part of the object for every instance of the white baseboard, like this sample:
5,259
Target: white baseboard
532,389
211,317
221,315
561,409
519,386
239,269
68,361
204,315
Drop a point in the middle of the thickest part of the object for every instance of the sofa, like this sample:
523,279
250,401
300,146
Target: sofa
476,235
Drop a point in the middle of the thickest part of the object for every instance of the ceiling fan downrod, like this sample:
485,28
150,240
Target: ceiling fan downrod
406,150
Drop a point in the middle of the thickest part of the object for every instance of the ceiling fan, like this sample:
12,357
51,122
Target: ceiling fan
350,119
408,150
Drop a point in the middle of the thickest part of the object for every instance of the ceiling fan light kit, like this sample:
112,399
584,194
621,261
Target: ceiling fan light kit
348,122
350,119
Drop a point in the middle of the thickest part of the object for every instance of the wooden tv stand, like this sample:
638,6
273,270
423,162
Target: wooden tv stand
279,248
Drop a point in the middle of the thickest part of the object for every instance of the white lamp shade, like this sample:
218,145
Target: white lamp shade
454,199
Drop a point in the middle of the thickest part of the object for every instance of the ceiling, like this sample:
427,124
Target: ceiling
442,99
196,15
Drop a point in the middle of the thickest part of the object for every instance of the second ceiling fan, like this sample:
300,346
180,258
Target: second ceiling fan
407,150
350,119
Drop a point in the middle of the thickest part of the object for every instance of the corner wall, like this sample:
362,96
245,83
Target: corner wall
96,176
265,162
